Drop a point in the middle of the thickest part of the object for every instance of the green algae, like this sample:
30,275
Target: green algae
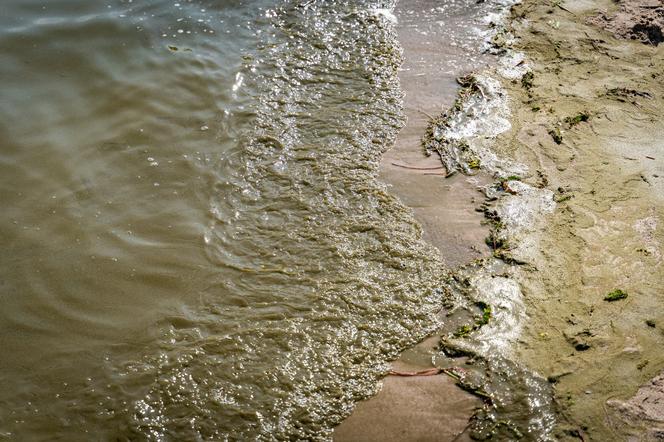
487,313
615,295
578,118
527,81
463,331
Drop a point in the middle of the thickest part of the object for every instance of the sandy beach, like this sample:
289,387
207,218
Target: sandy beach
316,220
577,229
606,233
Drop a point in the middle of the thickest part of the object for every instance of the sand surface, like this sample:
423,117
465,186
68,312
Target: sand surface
606,233
418,408
587,123
430,408
641,20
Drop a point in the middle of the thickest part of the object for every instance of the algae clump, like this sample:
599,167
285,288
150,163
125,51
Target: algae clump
486,314
463,331
579,118
527,80
615,295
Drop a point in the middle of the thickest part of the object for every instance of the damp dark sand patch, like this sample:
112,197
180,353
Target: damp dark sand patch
641,20
485,313
426,408
434,407
643,413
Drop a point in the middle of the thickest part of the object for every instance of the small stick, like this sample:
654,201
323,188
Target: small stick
565,9
428,372
451,374
430,117
417,168
606,413
479,88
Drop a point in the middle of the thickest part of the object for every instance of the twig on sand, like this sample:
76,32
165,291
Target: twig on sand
417,168
565,9
607,415
479,88
427,372
428,115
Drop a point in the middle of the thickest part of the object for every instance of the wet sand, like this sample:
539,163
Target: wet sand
606,233
587,124
429,408
444,207
422,408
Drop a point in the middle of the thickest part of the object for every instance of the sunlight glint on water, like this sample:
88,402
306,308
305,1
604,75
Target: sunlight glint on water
194,242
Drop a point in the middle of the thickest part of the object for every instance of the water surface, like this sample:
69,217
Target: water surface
195,245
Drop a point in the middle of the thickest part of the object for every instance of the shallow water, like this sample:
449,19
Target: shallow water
194,242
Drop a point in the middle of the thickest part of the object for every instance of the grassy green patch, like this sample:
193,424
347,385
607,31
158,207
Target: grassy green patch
615,295
486,314
579,118
463,331
480,321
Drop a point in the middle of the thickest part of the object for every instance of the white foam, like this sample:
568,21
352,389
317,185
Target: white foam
513,65
386,13
523,210
508,313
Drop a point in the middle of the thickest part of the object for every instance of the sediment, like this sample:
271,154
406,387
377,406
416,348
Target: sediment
585,124
589,125
564,138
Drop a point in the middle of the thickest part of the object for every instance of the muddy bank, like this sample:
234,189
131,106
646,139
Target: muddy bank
636,20
587,122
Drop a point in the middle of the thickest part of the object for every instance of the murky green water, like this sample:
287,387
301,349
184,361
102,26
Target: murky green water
194,244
